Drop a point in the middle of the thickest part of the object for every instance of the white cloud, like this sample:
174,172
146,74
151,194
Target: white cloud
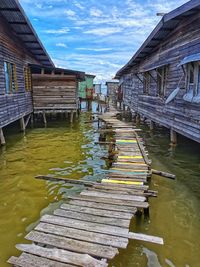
63,30
61,45
103,31
79,5
95,12
69,12
94,49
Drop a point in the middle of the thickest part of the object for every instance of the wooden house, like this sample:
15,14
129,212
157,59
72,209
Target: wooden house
161,82
21,54
86,88
19,47
55,90
112,90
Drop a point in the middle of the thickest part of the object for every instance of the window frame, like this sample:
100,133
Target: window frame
27,79
11,83
162,73
146,83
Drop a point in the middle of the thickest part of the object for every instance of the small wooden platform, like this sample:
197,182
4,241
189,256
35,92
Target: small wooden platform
90,229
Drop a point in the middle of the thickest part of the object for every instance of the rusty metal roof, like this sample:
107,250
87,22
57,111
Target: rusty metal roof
14,14
161,31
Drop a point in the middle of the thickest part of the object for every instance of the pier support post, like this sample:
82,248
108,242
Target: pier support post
32,120
138,118
151,125
173,136
44,118
22,124
2,138
71,116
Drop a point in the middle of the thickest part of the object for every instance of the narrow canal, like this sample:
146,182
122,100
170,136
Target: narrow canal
69,151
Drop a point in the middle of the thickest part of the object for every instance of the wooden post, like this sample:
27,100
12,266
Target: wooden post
151,125
2,138
138,118
22,124
44,118
173,136
32,120
71,116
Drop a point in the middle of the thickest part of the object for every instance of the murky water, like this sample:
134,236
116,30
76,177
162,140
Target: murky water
69,151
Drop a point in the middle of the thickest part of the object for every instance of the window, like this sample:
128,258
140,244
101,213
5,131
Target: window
161,80
193,82
10,78
146,82
27,79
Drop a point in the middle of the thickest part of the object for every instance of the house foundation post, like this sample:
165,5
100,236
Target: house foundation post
2,138
22,124
173,136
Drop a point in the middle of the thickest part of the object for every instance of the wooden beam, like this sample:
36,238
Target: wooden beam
22,124
2,138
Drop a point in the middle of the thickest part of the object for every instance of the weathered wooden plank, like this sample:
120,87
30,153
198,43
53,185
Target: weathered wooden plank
117,202
89,236
83,225
61,255
29,260
99,212
103,206
147,238
112,196
92,218
92,249
128,186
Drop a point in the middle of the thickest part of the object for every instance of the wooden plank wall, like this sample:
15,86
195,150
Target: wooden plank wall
13,106
54,92
183,117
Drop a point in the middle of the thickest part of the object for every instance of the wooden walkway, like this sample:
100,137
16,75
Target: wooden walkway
92,226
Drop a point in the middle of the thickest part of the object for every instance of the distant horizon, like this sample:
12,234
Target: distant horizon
97,37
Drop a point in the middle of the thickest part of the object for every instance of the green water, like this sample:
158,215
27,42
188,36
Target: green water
69,151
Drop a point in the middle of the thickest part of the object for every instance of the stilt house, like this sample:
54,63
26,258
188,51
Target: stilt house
161,82
21,54
112,90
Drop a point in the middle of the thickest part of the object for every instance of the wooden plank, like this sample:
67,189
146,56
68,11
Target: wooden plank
124,203
147,238
61,255
122,181
127,186
97,238
112,196
92,218
99,212
103,206
27,260
92,249
83,225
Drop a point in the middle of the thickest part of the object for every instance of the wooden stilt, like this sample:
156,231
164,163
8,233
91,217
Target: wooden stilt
32,120
151,126
138,118
44,118
71,116
22,124
2,138
173,136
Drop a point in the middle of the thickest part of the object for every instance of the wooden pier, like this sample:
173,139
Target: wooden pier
90,229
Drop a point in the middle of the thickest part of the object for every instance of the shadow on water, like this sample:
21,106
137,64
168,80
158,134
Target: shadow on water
69,151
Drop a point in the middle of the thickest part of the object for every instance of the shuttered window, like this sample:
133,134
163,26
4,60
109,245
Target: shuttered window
11,84
27,79
161,80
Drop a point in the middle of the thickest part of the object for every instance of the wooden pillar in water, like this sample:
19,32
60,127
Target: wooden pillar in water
22,124
151,125
71,116
2,138
44,118
173,136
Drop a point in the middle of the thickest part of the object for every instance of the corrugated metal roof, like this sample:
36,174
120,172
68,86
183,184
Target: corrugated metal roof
164,27
12,11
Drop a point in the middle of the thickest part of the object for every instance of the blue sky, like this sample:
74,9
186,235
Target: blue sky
95,36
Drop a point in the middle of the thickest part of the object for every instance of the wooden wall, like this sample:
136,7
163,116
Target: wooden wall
14,105
179,115
112,88
54,92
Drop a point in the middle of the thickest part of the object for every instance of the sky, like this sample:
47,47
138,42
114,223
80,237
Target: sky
94,36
